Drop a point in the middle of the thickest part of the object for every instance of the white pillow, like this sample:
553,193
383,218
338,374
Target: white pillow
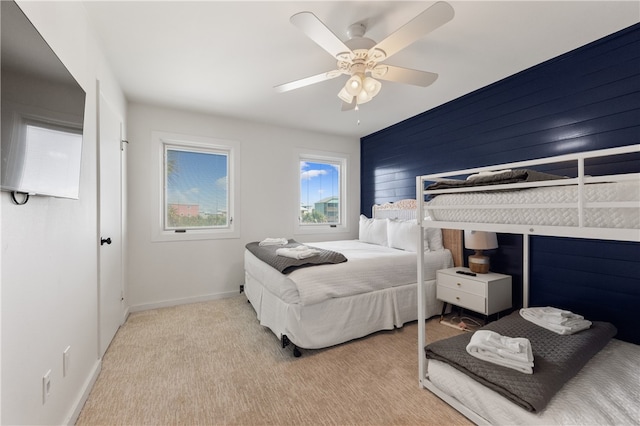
433,237
402,234
373,231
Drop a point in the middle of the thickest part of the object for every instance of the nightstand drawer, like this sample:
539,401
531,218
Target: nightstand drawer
460,298
462,283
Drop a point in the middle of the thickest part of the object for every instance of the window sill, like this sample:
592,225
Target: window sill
195,235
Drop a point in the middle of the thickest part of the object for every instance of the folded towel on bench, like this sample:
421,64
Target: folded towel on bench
274,242
299,252
511,352
557,320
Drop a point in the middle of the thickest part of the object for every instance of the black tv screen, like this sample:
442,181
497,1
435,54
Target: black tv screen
42,113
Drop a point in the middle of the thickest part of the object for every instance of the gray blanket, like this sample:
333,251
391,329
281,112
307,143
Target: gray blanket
513,176
556,359
286,264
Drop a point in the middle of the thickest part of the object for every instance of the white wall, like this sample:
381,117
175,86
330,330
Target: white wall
49,257
49,254
165,273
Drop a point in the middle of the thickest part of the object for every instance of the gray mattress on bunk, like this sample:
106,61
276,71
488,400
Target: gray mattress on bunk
557,359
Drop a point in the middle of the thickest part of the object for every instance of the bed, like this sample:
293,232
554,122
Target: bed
607,387
375,289
604,391
583,206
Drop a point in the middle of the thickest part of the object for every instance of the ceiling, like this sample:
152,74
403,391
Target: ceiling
224,58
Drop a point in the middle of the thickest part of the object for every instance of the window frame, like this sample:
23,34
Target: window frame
323,157
198,144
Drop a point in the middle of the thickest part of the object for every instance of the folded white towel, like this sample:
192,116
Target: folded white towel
557,320
551,312
273,242
294,253
511,352
555,315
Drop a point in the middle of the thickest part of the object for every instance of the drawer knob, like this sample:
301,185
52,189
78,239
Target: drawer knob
458,283
457,297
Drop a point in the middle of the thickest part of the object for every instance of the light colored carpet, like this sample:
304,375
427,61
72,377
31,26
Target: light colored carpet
212,363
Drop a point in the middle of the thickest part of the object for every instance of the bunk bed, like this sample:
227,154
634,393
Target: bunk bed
508,199
350,309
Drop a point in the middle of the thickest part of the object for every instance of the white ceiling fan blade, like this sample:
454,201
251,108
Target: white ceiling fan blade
307,81
318,32
434,17
404,75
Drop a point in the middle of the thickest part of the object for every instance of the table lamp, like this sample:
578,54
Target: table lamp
478,241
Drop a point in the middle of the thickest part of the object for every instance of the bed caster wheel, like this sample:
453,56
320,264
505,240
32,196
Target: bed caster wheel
296,352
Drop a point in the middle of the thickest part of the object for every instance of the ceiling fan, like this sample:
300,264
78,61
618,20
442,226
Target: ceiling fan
360,57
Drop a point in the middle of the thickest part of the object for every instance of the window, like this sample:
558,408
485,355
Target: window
196,188
196,194
322,191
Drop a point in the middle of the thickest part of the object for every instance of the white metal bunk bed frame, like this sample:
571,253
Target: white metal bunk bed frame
579,231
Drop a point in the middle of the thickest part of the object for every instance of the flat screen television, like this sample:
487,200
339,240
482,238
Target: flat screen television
42,113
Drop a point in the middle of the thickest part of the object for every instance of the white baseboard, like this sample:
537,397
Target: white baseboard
185,301
77,407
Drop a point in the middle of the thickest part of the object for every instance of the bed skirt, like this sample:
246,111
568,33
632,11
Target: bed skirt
315,326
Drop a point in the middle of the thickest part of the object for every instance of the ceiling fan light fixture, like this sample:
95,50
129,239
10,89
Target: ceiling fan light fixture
354,85
363,89
372,86
363,97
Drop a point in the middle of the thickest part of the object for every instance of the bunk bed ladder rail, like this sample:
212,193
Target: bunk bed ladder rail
420,213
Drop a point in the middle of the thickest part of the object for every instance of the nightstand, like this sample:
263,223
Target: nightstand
483,293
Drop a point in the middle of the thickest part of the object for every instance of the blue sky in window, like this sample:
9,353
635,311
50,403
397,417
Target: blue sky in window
198,178
318,181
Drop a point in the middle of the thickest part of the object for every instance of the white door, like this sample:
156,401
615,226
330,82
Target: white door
110,160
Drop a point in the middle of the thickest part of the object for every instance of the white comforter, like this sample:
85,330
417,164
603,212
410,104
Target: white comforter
369,267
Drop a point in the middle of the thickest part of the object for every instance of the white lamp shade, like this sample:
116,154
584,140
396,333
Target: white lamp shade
372,86
480,240
363,97
345,96
354,85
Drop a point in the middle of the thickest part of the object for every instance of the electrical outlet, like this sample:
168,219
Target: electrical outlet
66,361
46,386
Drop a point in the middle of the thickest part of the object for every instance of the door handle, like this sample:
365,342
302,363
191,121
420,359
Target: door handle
104,241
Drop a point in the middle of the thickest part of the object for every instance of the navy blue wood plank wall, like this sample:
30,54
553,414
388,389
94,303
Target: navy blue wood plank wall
584,100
